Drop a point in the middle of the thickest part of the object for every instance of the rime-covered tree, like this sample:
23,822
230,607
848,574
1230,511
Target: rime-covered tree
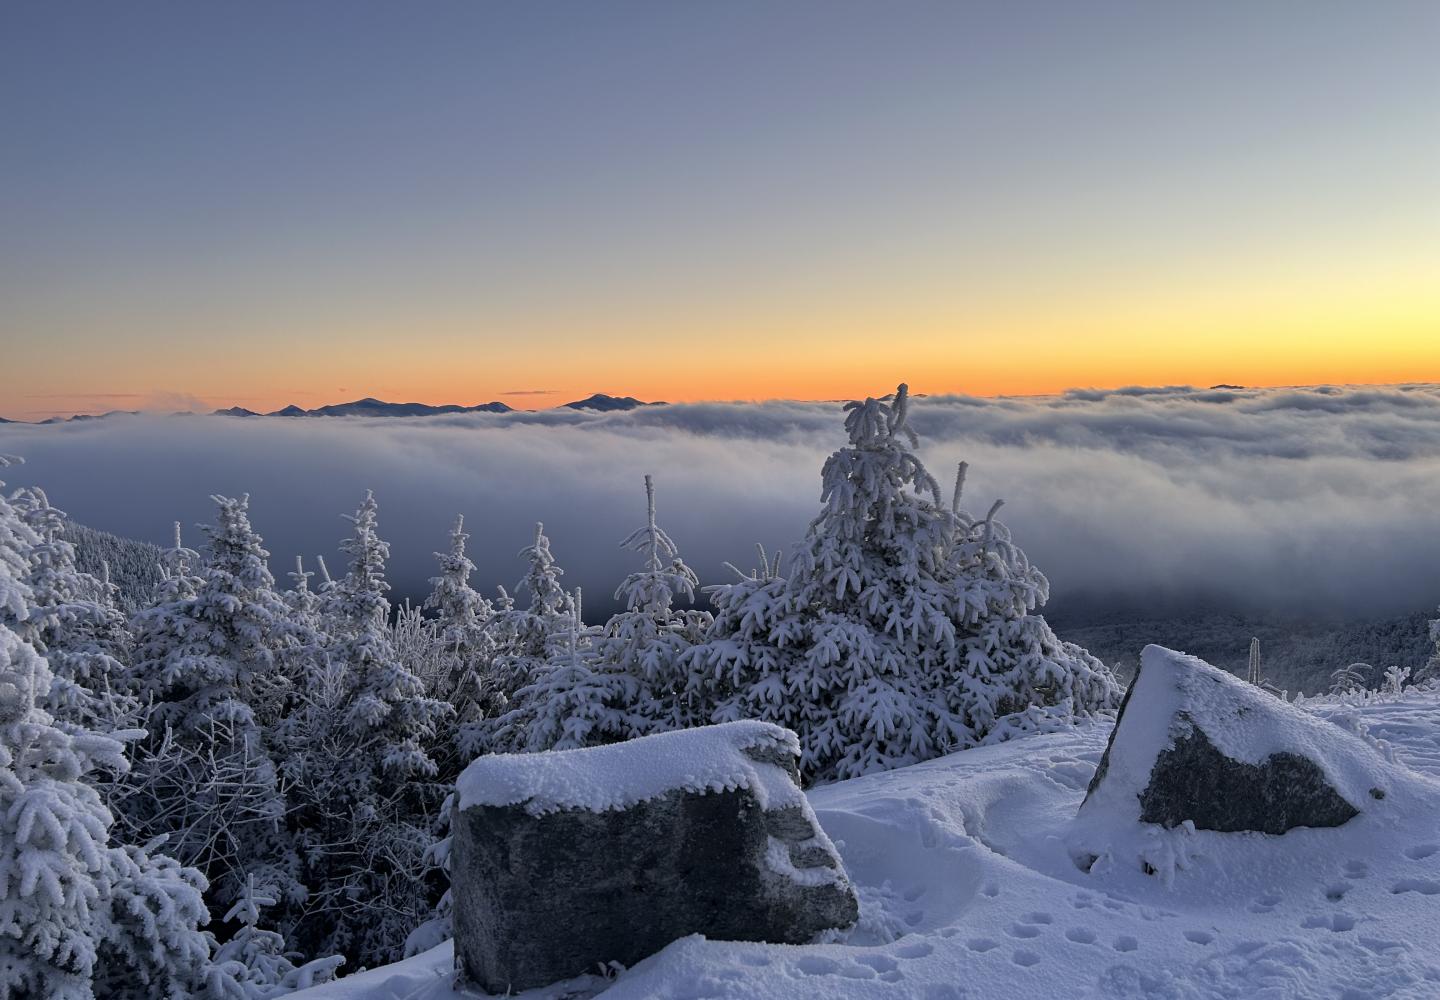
80,918
75,625
256,959
465,644
903,630
212,668
525,641
630,681
364,791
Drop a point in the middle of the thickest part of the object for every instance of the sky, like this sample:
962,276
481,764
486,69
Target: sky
275,202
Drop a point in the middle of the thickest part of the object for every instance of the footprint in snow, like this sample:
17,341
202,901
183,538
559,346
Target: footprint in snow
1037,917
979,945
1025,958
1336,892
1023,931
1080,935
1421,851
1331,922
1421,885
1125,943
991,889
914,949
1199,937
1356,869
1265,903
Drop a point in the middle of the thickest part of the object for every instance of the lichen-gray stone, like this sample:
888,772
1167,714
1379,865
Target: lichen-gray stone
538,899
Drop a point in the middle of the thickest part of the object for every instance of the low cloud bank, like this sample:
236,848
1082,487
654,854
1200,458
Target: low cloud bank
1316,500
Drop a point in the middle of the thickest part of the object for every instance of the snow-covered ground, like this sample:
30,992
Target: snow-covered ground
969,892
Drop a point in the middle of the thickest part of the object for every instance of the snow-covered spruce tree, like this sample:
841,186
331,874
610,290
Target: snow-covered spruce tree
465,645
212,668
80,918
255,958
75,625
904,629
365,792
630,682
525,640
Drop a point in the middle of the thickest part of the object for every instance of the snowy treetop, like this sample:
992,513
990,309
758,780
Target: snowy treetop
598,779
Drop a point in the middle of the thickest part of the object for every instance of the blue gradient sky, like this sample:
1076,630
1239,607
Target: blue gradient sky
267,202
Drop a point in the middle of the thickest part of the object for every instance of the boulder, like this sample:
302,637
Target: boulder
565,861
1195,743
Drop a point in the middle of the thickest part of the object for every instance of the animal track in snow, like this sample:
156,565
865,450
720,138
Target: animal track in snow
1025,958
1355,868
981,944
1023,931
1038,917
1265,903
991,889
1420,851
1336,892
1199,937
1125,943
1080,935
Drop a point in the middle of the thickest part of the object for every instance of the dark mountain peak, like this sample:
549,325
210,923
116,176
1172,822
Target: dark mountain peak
290,411
606,403
235,411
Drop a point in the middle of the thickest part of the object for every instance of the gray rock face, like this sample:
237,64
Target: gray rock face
1193,780
541,898
1166,752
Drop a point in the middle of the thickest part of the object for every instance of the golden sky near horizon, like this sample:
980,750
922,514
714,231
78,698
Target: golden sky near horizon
729,202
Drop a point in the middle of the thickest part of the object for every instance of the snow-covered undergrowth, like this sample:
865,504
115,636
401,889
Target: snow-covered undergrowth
969,892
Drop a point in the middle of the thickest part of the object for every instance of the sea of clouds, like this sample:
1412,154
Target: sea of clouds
1311,500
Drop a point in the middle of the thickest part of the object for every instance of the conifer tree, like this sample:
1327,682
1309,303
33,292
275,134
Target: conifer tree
211,666
75,626
903,630
465,644
365,794
80,918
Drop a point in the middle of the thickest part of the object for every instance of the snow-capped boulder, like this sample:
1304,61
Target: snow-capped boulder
567,860
1196,744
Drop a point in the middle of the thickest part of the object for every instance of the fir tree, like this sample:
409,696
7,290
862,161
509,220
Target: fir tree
465,643
211,667
80,918
903,630
75,625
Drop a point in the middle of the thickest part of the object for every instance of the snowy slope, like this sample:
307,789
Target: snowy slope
969,893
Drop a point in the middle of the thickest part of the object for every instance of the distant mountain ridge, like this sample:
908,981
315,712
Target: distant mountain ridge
372,407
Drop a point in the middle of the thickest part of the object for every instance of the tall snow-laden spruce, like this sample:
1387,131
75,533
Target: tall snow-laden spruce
359,759
465,644
904,629
80,918
75,625
525,643
214,669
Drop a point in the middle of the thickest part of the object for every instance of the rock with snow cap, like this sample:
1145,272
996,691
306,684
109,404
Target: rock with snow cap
566,861
1197,745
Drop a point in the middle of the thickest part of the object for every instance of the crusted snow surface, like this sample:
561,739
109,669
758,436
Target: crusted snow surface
597,779
1174,691
969,892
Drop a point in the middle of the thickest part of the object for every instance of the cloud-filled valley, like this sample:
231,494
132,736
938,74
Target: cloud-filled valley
1314,500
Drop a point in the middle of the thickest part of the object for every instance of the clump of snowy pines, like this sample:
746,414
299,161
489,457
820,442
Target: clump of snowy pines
293,750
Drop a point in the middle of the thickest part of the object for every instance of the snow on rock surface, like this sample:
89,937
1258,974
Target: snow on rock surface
638,844
730,756
1196,745
969,892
